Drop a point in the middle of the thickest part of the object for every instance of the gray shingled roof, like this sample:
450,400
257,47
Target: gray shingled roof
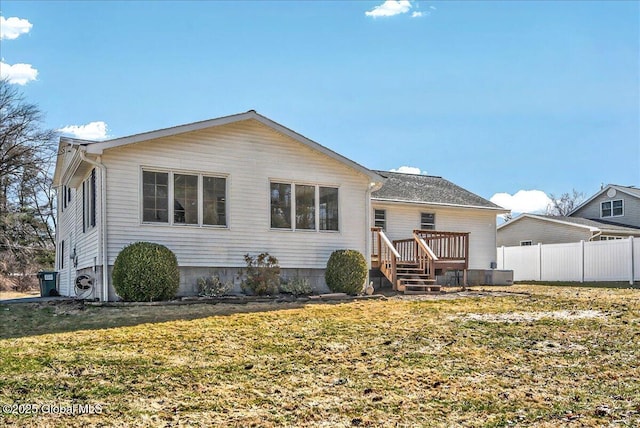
602,225
427,189
631,189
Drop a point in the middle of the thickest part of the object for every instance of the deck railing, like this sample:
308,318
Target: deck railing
428,248
447,246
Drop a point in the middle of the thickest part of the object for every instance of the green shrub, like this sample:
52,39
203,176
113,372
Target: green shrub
144,271
346,271
297,286
211,286
262,275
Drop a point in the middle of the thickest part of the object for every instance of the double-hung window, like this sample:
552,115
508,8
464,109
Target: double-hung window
183,199
303,207
612,208
427,221
380,219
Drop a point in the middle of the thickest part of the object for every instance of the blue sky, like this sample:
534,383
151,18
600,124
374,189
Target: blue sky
498,97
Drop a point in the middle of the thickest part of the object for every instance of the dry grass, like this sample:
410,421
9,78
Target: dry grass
4,295
569,357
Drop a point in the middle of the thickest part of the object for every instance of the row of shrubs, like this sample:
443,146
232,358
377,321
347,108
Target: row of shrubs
145,271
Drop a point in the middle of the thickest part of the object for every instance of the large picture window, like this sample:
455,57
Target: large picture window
197,199
302,202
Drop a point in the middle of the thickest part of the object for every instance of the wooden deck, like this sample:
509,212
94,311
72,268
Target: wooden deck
412,264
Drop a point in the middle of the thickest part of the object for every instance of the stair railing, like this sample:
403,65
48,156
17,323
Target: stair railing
426,258
388,257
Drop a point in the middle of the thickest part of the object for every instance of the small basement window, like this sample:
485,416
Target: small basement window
526,243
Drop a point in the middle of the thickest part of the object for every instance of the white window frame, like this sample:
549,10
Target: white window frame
432,224
293,206
526,243
611,201
383,220
171,198
89,202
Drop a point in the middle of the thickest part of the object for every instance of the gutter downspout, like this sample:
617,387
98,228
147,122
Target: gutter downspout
103,220
595,235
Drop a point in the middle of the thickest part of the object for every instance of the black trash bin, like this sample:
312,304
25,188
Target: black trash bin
48,282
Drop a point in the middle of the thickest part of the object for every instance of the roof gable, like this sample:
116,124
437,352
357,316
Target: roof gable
428,189
629,190
98,147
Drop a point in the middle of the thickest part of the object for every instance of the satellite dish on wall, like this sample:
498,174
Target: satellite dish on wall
611,192
84,286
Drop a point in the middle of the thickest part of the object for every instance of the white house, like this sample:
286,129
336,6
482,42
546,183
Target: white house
211,192
215,190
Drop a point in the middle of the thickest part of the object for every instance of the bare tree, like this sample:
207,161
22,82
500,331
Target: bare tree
563,205
27,201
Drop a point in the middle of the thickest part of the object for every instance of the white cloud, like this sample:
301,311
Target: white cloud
409,170
90,131
416,14
18,73
13,27
390,8
523,201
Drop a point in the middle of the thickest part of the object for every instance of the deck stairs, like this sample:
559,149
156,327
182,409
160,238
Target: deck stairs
411,264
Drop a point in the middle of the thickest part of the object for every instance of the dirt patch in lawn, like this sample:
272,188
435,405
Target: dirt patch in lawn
513,317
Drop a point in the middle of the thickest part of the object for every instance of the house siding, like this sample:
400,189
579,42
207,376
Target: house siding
402,219
540,232
631,205
249,154
84,243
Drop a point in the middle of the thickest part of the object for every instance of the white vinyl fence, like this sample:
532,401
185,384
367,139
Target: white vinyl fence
617,260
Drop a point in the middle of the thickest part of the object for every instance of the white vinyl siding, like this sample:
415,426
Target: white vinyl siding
251,156
403,219
72,228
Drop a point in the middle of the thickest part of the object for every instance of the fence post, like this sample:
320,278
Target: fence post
539,261
631,272
582,260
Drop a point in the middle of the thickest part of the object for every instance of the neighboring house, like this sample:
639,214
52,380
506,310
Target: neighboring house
612,213
531,229
215,190
612,204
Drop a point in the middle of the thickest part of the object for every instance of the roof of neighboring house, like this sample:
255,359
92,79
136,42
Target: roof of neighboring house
428,189
97,147
592,225
629,190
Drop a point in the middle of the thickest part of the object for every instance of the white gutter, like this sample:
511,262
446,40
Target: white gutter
103,220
